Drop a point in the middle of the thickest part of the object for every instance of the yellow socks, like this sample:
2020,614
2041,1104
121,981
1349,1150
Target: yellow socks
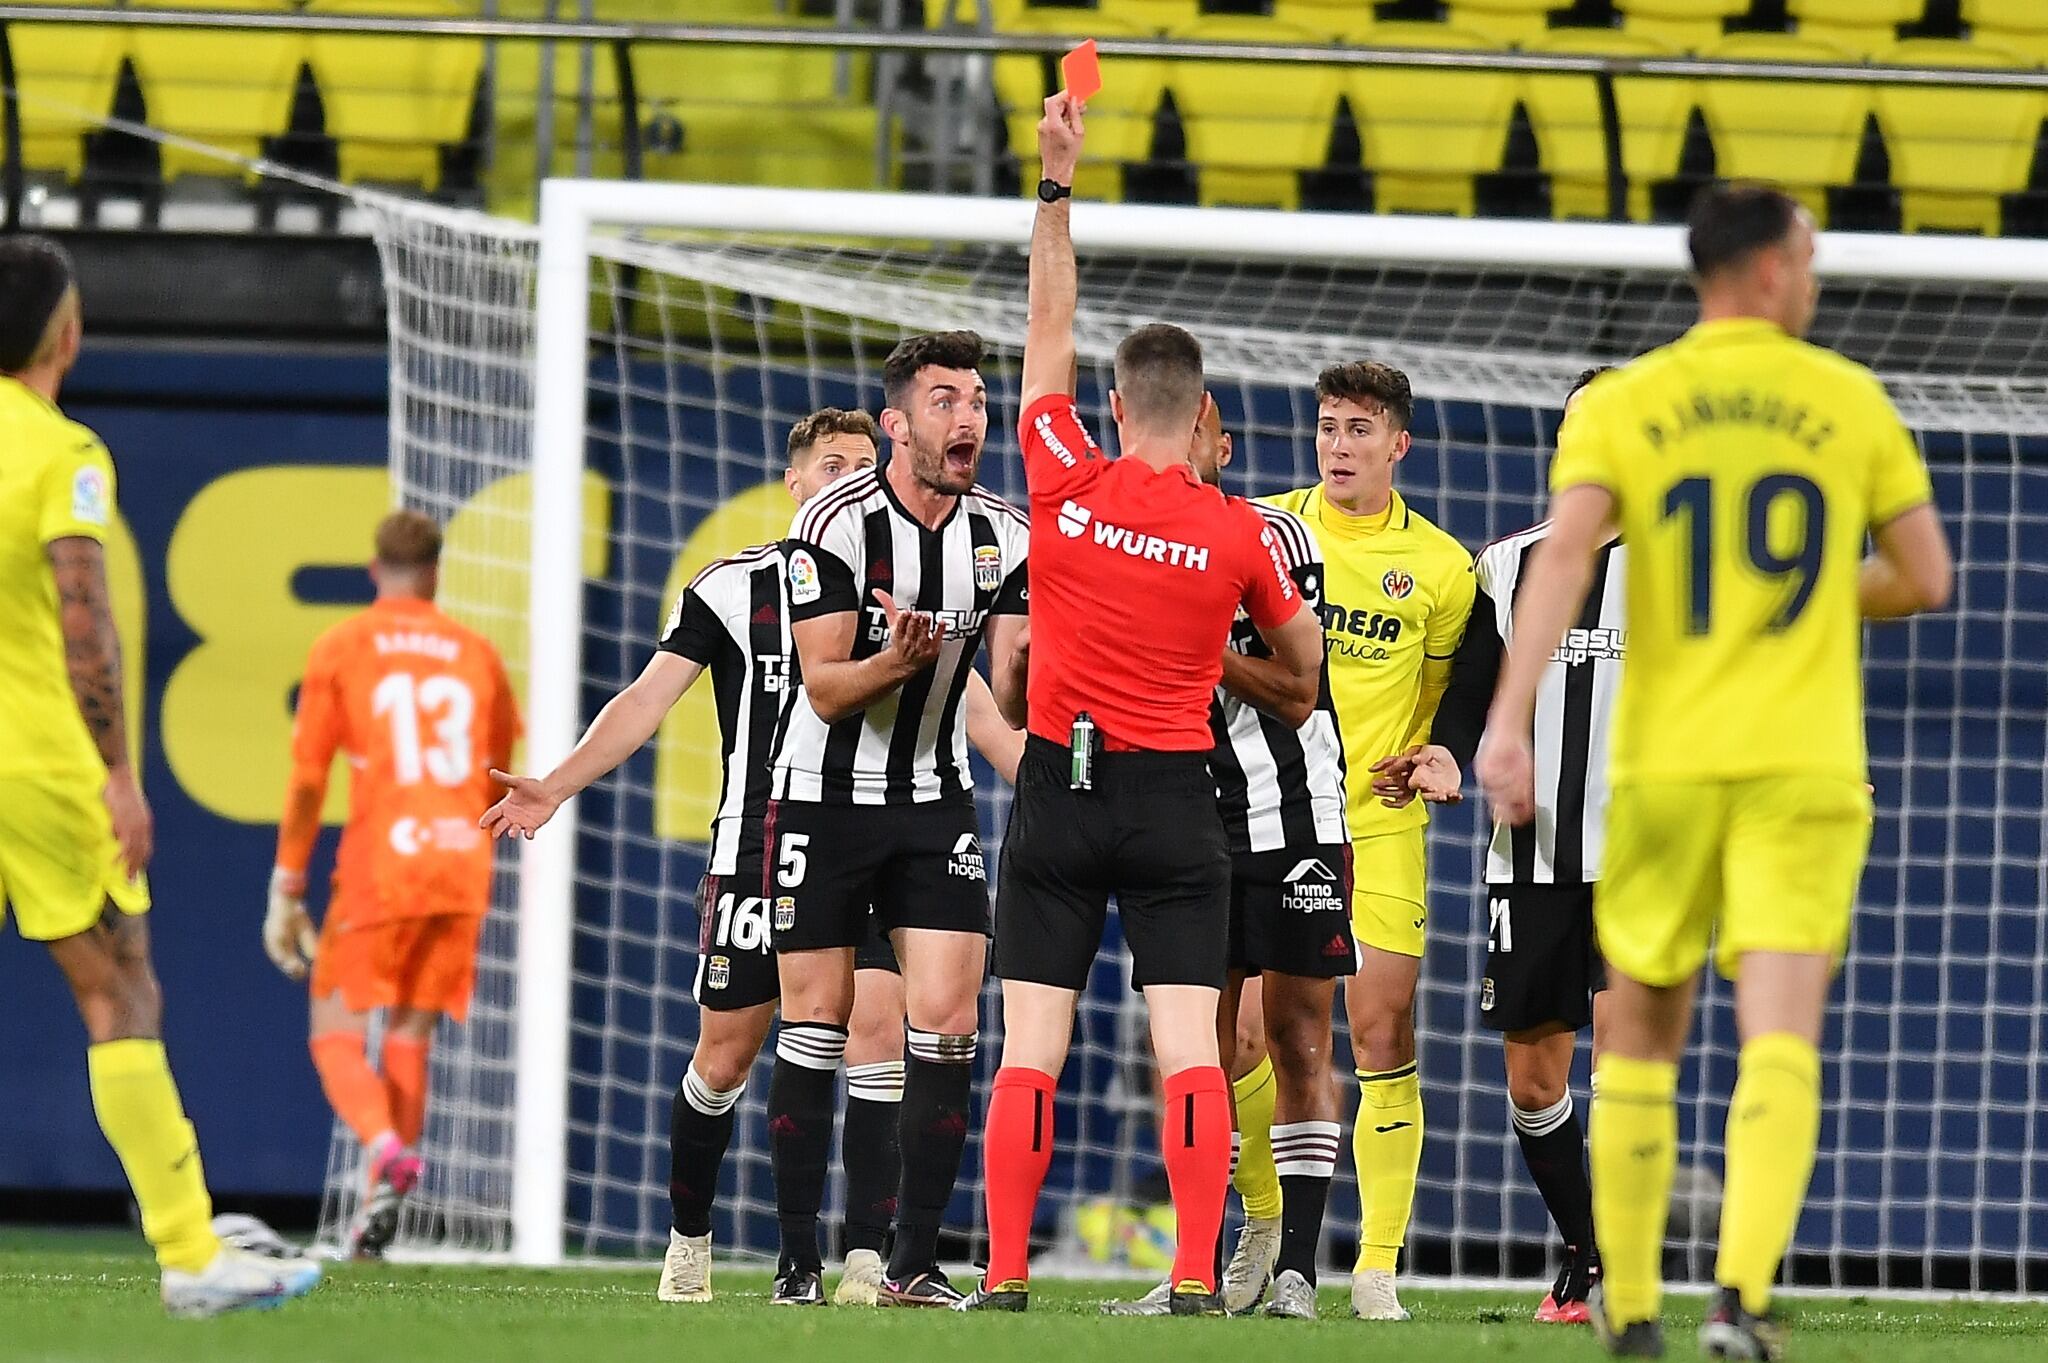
1773,1124
1634,1152
138,1108
1386,1142
1256,1179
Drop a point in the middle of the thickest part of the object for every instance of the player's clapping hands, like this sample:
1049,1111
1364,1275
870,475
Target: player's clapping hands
526,806
914,636
1059,137
1427,770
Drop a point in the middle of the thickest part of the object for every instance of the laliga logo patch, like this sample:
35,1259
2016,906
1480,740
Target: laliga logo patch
89,499
785,914
988,567
1074,520
1398,583
718,972
803,579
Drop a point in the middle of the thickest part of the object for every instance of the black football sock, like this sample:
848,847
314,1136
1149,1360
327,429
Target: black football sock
800,1098
1554,1148
868,1149
938,1086
699,1129
1305,1153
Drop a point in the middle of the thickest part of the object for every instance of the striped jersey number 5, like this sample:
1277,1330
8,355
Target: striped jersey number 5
1797,571
444,704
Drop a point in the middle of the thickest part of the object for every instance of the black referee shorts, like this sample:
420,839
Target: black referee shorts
1149,834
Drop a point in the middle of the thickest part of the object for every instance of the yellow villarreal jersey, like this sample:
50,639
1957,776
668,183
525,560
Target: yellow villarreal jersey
1395,589
1747,468
56,482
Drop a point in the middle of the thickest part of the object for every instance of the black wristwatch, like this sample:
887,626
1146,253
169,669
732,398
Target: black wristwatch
1052,191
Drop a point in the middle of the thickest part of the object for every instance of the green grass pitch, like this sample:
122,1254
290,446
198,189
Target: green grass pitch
91,1297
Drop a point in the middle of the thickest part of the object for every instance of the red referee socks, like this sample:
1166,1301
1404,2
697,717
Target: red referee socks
1016,1150
1194,1136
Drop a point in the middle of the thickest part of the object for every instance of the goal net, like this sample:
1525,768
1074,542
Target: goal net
715,318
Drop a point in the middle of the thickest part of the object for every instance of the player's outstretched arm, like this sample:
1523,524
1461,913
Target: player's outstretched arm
628,720
1049,339
1912,570
838,686
1555,583
991,734
92,657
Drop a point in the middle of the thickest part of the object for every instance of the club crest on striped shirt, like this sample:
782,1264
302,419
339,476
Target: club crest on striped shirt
1398,583
988,567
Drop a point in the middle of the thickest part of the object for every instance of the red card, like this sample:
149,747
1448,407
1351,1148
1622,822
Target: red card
1081,71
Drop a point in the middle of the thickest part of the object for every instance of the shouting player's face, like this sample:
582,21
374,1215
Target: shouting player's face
942,423
1211,452
1357,446
826,462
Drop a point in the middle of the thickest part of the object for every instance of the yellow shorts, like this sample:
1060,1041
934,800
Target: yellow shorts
1765,864
1388,900
59,864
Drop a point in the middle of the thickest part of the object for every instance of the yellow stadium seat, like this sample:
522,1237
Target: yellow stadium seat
1120,118
1565,111
392,102
517,163
1252,127
2016,25
1504,21
66,74
1427,133
226,89
1803,137
816,146
1860,26
1151,16
1681,24
1336,20
1954,151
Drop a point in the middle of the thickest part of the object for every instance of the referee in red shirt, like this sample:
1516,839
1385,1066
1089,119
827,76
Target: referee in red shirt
1138,570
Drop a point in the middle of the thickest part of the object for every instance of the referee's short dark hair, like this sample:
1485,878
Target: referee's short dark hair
1369,384
1729,223
35,277
831,421
1159,375
914,354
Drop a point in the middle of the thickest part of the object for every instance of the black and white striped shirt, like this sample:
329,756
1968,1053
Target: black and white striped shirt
731,618
854,538
1279,787
1574,714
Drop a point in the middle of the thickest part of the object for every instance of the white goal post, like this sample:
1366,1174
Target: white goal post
1475,311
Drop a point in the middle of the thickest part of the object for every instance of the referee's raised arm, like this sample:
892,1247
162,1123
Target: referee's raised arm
1049,338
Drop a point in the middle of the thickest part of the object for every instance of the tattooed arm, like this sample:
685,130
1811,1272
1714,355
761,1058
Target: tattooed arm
92,655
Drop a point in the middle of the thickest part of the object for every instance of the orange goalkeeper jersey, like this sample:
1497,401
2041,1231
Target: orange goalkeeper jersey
423,709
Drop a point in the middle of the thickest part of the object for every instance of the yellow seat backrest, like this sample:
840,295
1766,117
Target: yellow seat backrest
2016,25
1859,26
1120,118
1503,21
392,101
1252,127
1334,20
66,75
1803,138
1426,133
1565,111
229,89
1682,24
1954,151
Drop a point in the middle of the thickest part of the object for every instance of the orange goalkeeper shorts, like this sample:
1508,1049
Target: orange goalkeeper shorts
422,962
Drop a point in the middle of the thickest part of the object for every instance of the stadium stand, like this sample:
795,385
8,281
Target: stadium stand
66,74
2015,25
1863,27
1120,119
1426,133
225,88
1806,144
1332,20
1250,134
1504,21
1954,152
1685,25
393,102
1565,112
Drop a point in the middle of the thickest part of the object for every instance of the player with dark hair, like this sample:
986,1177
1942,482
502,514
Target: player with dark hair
732,621
1544,980
1745,469
424,710
1139,571
1396,594
895,575
75,827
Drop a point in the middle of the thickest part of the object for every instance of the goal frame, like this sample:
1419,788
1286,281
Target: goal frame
571,210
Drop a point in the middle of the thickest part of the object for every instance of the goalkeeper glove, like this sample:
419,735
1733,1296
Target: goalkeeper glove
288,935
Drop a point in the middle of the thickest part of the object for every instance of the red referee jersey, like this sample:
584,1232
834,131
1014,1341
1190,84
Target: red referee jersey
1136,576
